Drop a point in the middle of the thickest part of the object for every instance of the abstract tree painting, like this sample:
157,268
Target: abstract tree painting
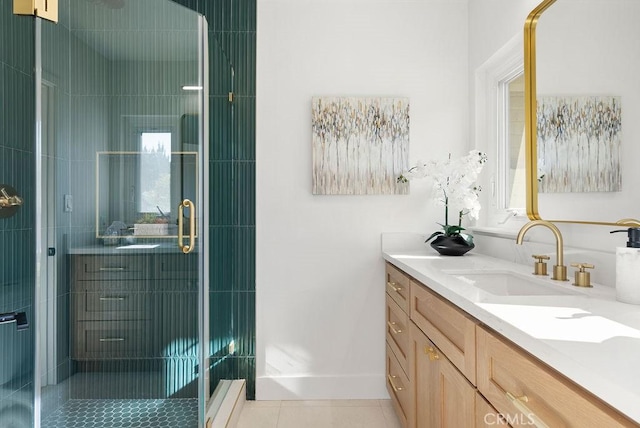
579,144
360,145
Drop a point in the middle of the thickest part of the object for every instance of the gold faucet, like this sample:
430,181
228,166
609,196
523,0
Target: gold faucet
559,269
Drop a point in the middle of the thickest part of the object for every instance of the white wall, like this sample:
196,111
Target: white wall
320,298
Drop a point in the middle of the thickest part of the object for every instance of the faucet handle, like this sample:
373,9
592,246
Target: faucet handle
582,277
540,266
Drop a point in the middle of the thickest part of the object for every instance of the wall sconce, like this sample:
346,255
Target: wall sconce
10,201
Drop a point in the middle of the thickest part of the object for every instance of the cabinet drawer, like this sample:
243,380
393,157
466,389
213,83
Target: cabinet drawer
487,416
449,328
112,339
398,332
88,268
399,388
398,286
112,301
525,390
176,266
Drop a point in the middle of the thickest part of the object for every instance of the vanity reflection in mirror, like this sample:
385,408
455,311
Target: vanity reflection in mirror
582,63
138,193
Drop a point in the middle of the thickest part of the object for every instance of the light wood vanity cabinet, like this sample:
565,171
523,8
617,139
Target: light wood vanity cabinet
427,387
519,385
449,328
397,338
398,287
443,396
457,373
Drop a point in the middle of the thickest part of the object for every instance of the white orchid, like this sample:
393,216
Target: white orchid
455,183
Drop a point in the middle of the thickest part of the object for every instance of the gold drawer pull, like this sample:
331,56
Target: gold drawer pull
518,402
428,350
393,384
112,299
392,326
112,269
394,286
112,339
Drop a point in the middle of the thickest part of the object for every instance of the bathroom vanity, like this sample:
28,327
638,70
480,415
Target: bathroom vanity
475,341
125,301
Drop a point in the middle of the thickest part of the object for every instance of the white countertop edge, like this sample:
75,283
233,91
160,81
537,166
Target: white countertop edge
123,250
571,366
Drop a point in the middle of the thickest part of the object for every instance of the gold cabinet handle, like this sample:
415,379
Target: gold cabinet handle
393,328
111,339
186,249
433,356
395,287
112,299
518,403
112,269
393,384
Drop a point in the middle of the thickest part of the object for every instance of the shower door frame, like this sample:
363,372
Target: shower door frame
203,395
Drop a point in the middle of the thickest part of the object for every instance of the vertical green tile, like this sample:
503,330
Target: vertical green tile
220,322
244,192
192,4
220,63
244,128
232,41
220,131
244,15
244,321
218,14
221,259
244,262
243,57
221,193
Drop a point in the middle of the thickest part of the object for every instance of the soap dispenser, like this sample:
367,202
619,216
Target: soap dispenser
628,268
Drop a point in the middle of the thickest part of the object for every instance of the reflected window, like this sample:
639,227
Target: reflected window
155,173
512,143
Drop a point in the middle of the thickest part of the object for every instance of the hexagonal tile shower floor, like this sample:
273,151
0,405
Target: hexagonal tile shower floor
169,413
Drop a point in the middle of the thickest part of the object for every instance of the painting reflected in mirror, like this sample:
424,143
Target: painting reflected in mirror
585,89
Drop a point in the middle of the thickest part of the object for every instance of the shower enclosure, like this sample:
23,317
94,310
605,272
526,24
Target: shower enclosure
101,136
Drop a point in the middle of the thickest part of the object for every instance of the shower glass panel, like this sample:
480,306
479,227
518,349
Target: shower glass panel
122,289
17,255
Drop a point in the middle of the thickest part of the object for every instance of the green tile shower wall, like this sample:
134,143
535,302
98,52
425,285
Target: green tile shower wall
17,236
232,46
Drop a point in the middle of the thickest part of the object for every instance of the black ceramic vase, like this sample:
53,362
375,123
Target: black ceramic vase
451,245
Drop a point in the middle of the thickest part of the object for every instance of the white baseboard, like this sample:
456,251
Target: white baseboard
321,388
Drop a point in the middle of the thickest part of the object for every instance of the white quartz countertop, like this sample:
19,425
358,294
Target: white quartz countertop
128,249
585,334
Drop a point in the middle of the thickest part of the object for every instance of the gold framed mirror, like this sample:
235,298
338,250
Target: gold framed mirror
579,59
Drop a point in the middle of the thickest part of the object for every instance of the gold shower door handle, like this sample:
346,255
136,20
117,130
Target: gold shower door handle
186,249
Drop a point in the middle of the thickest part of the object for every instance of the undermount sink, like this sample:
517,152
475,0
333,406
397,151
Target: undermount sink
508,283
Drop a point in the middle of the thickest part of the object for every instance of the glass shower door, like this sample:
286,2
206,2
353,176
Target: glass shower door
126,313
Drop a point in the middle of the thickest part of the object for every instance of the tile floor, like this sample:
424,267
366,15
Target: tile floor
318,414
169,413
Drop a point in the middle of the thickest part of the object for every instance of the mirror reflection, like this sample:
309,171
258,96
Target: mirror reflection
138,192
515,143
588,96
